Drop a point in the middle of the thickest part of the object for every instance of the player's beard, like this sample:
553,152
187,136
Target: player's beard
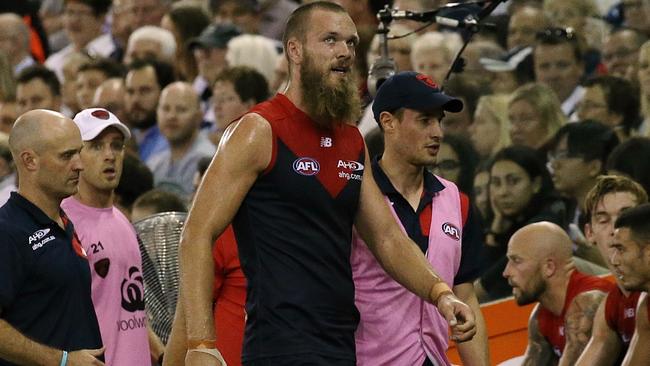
538,288
329,104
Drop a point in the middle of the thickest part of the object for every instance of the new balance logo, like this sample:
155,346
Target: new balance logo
325,142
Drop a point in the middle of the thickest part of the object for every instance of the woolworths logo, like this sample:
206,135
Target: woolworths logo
133,323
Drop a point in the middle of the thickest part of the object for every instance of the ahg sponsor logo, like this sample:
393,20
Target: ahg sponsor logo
40,234
350,165
306,166
451,231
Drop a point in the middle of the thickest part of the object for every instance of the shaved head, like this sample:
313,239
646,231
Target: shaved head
181,88
544,239
28,131
45,146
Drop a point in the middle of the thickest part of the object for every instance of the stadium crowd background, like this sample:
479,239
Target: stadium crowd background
558,89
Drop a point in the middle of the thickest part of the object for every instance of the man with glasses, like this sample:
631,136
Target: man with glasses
83,21
621,52
612,101
558,63
577,155
109,240
409,108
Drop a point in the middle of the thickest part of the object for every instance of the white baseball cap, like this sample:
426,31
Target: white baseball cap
93,121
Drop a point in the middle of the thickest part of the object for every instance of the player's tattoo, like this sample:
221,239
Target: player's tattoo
578,323
539,352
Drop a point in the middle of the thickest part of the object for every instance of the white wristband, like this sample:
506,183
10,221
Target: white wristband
212,352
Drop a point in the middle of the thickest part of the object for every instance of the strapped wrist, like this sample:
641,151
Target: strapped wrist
437,290
201,344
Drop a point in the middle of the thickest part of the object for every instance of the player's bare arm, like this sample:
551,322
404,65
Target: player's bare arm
242,155
604,346
538,352
579,321
403,260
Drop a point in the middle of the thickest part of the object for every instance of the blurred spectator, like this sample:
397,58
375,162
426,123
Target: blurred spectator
7,176
636,14
511,71
185,21
144,82
209,50
490,131
576,157
632,159
534,114
37,88
146,12
136,179
152,43
242,13
274,16
521,192
51,14
644,82
524,23
91,75
398,49
254,51
179,118
14,41
433,52
621,53
582,16
235,91
110,95
83,20
456,162
481,186
156,201
28,11
613,101
559,64
467,91
121,27
8,114
472,55
7,80
71,66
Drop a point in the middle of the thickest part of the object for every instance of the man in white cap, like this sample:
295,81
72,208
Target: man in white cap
109,240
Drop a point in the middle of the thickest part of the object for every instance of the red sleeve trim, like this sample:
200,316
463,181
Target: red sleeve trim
464,206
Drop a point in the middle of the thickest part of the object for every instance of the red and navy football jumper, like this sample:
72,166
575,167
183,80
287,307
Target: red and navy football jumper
294,231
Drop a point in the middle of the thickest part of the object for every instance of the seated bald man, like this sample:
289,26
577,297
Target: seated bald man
540,268
45,306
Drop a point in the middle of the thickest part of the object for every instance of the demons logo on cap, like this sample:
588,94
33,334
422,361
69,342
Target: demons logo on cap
100,113
427,80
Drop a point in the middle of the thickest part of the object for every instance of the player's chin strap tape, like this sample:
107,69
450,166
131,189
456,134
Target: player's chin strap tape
212,352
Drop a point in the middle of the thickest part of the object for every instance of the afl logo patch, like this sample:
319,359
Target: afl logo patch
306,166
451,231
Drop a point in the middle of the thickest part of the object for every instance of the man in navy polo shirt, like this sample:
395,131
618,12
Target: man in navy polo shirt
397,327
45,306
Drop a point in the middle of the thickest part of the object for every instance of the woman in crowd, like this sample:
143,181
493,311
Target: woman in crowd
235,91
521,192
535,115
490,131
456,162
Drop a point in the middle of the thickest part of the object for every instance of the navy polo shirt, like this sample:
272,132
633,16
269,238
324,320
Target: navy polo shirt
417,222
44,279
